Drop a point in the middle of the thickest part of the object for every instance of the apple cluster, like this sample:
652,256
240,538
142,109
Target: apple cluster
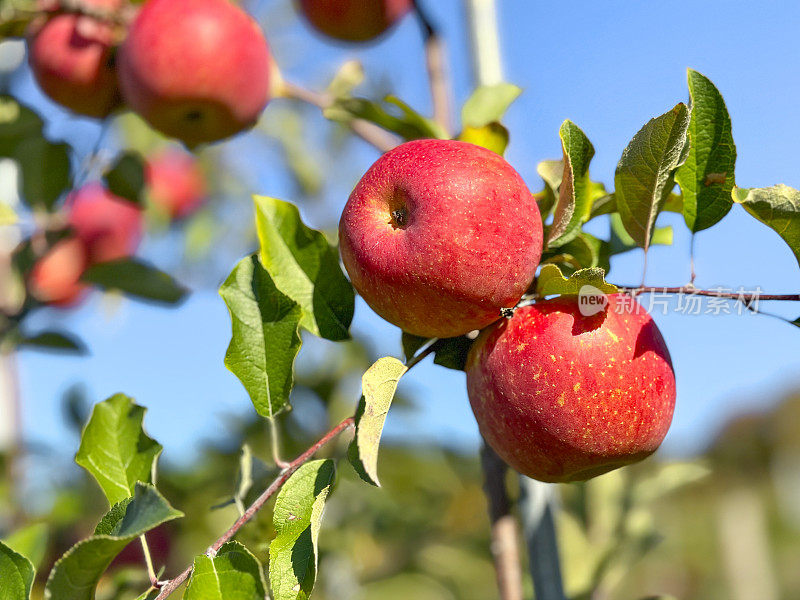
102,228
443,238
196,70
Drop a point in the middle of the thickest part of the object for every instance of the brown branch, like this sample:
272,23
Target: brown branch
436,64
504,545
369,132
170,586
691,290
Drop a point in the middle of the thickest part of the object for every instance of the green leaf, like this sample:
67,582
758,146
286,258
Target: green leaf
551,172
305,267
233,574
707,176
405,122
126,177
378,386
493,137
17,123
777,207
16,575
265,338
44,171
574,193
297,518
488,104
29,541
581,253
411,343
645,174
551,282
451,353
75,575
136,278
54,341
116,450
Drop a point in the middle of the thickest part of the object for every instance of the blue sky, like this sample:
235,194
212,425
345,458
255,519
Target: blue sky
607,66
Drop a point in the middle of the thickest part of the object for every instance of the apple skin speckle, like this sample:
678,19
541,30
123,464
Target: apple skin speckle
605,402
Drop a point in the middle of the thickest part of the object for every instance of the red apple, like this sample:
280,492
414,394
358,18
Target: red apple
71,57
439,236
110,226
196,70
353,20
55,278
176,184
564,397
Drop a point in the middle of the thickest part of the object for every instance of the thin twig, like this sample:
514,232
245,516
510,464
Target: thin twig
504,544
369,132
436,63
691,290
275,443
170,586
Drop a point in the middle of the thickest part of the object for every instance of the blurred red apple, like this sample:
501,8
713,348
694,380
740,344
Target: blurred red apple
110,226
353,20
55,278
176,184
564,397
439,236
72,59
196,70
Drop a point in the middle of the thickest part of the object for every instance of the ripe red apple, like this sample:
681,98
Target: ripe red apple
71,57
55,278
353,20
196,70
110,226
564,397
176,184
439,236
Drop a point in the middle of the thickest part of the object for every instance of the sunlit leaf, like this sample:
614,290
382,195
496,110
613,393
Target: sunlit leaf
233,574
574,194
116,450
378,386
16,575
265,338
777,207
297,518
645,174
551,281
305,267
488,104
493,136
707,176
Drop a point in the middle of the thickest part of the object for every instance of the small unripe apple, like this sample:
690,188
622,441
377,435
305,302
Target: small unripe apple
439,236
196,70
353,20
109,226
564,397
176,184
72,59
55,278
